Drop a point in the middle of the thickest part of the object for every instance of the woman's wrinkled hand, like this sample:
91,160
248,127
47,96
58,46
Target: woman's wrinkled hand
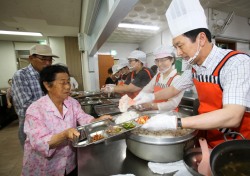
105,117
70,133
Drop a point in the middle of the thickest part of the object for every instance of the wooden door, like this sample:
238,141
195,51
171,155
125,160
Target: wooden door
104,63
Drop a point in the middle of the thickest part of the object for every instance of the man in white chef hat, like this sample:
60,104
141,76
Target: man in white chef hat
139,77
220,76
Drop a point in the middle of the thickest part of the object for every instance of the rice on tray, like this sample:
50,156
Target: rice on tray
126,116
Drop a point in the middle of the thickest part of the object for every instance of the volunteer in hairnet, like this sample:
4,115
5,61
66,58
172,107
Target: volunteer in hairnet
124,72
139,77
166,76
221,77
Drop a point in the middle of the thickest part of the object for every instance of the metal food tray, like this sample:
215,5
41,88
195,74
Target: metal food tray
106,109
101,128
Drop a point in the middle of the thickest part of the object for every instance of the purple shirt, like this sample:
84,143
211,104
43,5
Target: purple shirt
42,121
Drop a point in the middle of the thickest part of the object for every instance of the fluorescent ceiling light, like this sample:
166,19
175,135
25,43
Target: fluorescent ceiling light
20,33
138,26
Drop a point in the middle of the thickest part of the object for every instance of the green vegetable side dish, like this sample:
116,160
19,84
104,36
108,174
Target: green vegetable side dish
128,125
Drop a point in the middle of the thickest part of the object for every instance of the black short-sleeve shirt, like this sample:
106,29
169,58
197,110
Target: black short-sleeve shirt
140,79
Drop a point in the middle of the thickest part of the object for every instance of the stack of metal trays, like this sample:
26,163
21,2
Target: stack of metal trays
95,102
101,130
83,94
107,109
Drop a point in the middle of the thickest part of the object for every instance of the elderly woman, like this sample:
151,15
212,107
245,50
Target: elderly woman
166,76
50,125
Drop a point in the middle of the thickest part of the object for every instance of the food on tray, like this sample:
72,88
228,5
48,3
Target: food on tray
125,102
97,137
126,116
128,125
165,133
114,130
142,120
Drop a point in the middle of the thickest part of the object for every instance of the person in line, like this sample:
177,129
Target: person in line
50,126
166,76
111,78
124,70
8,95
73,83
25,83
221,77
139,77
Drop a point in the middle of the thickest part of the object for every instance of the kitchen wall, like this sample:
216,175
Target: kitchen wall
8,62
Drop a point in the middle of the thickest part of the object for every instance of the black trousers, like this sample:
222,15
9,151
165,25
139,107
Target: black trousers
72,173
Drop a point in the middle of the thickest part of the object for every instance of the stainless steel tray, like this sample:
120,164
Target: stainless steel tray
103,129
106,109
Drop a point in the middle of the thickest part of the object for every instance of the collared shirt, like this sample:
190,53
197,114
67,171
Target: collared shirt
73,83
162,82
25,89
42,121
234,76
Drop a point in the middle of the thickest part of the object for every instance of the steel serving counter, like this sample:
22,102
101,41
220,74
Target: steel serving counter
110,158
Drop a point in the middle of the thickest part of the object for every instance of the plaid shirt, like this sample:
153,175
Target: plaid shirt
234,76
25,89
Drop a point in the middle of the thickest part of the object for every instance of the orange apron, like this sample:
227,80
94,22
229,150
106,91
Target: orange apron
210,96
134,94
158,88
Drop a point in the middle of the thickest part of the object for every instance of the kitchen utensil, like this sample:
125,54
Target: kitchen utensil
231,157
157,148
204,167
192,157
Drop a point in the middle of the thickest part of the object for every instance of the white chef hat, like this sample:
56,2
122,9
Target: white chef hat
139,55
115,68
184,16
164,51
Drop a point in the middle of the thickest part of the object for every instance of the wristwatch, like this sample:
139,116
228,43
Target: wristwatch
179,124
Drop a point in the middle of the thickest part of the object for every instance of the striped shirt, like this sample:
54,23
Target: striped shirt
25,89
234,76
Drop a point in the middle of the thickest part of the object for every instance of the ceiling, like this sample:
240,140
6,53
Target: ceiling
62,17
50,17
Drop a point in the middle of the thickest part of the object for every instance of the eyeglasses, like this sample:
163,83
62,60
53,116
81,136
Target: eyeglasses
157,61
45,58
131,60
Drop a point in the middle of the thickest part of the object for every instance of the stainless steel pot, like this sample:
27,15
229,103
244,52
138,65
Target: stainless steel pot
231,157
160,148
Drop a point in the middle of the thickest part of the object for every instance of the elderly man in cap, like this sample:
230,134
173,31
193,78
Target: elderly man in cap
25,85
221,77
139,77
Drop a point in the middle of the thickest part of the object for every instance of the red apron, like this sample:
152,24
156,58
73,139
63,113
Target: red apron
134,94
158,88
210,96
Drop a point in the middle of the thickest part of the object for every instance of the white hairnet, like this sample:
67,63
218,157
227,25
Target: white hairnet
164,51
184,16
139,55
115,68
122,63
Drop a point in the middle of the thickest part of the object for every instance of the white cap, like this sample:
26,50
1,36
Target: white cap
184,16
164,51
115,68
139,55
43,50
